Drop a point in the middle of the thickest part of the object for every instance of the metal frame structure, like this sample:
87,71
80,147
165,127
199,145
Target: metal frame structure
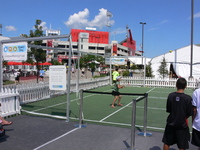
38,39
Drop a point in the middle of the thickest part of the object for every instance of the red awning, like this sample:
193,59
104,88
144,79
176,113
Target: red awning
25,63
13,63
43,64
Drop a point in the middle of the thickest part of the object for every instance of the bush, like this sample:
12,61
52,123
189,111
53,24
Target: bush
126,73
103,75
8,82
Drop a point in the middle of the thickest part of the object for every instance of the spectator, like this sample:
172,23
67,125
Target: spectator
17,75
179,107
195,118
5,122
83,72
41,74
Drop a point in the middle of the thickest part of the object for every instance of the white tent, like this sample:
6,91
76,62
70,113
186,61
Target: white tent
138,60
179,60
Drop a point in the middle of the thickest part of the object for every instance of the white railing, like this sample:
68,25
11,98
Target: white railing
152,82
31,92
9,100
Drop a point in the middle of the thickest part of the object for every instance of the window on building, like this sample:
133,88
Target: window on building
61,46
92,47
75,46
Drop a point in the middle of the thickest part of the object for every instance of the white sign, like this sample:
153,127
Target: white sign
15,51
115,61
57,77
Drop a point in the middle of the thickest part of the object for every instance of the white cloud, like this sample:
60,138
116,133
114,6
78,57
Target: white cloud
197,15
44,27
10,28
164,21
43,24
152,29
80,20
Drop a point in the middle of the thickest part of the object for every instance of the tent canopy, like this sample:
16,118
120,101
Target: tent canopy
180,60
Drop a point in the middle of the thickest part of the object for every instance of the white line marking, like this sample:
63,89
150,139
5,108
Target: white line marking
64,102
56,139
123,124
123,107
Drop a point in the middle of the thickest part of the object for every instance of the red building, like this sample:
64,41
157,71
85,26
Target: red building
94,36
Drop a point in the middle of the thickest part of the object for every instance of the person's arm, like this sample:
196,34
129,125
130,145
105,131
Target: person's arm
194,113
120,86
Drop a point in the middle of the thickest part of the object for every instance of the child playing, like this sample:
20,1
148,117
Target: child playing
116,93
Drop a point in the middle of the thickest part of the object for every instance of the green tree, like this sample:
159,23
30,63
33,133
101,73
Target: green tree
37,55
162,70
149,72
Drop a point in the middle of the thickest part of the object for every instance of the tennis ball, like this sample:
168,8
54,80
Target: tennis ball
170,51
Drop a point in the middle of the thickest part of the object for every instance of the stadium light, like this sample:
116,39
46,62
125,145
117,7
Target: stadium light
192,25
143,23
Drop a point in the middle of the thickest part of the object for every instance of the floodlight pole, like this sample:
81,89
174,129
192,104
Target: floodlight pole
1,66
69,81
143,23
192,26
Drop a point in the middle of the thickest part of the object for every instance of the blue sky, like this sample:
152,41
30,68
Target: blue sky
168,23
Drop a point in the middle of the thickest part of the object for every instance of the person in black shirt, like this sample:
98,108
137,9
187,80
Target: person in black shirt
179,107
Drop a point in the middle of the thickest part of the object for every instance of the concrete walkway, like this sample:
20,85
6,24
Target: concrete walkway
41,133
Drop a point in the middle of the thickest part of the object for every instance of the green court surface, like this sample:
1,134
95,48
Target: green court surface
96,107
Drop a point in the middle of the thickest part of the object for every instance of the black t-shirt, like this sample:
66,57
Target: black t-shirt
179,105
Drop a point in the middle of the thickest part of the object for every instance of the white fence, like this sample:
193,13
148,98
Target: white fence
13,96
31,92
152,82
9,101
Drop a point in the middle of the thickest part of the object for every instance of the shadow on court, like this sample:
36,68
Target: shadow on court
41,133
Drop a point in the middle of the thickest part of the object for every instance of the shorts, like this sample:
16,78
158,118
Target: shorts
181,137
195,137
114,93
41,77
17,78
114,81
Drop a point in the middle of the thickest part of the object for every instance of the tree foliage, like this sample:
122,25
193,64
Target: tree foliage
37,55
162,69
149,72
89,61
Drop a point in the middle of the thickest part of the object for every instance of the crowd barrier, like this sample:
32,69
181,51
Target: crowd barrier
9,103
153,82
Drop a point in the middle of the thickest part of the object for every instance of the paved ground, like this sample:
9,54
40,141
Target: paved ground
40,133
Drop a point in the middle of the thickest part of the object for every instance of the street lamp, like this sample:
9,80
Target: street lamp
192,26
143,23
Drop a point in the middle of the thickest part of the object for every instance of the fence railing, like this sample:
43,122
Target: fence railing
12,96
9,103
152,82
31,92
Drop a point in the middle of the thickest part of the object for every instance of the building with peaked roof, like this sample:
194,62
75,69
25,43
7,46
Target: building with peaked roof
179,62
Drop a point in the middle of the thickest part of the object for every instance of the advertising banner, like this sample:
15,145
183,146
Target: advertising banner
115,61
57,77
15,51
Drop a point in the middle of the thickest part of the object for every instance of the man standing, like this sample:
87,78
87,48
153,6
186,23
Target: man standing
179,106
196,118
115,74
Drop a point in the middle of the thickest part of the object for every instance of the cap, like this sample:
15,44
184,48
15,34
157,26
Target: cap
119,77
